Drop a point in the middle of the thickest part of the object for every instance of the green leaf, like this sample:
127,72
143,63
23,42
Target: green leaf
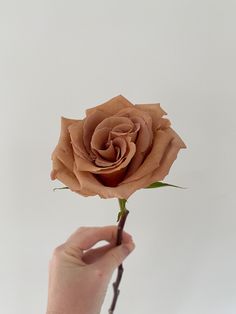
159,184
63,188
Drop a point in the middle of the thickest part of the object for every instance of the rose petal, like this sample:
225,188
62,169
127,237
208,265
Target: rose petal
127,129
92,186
169,157
161,140
90,124
85,165
109,153
154,110
111,179
177,138
162,123
114,122
107,157
76,136
143,145
64,175
144,137
123,128
141,117
63,150
115,151
100,138
112,106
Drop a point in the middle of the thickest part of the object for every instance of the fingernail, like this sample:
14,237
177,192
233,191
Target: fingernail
128,247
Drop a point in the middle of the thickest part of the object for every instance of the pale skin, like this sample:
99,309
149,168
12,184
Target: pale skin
79,274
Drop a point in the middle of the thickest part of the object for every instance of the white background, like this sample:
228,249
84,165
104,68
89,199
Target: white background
61,57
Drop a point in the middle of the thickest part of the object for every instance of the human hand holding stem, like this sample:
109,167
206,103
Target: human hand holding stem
122,215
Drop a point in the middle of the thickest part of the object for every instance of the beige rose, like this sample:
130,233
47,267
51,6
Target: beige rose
115,150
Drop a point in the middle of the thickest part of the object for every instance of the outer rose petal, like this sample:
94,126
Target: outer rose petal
91,186
112,106
76,135
161,141
170,155
63,150
167,160
154,110
64,175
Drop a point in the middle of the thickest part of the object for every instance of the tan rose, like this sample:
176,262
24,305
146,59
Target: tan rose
115,150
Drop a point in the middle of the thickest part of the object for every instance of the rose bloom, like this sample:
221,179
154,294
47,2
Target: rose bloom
115,150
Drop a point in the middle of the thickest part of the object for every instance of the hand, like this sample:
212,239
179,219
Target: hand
79,274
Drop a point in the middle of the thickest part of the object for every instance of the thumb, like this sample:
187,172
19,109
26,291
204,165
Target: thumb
114,257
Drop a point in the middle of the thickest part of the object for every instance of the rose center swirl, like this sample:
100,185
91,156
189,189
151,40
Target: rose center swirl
111,138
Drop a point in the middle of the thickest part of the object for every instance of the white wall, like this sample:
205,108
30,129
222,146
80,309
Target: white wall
61,57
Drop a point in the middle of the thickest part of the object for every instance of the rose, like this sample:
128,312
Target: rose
115,150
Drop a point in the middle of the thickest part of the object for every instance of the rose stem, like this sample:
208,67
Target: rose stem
122,218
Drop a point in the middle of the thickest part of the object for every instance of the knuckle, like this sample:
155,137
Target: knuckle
58,250
82,229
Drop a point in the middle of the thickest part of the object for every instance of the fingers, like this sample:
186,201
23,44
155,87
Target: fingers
86,237
114,257
105,258
93,255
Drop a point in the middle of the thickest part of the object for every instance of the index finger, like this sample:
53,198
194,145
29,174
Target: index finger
86,237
